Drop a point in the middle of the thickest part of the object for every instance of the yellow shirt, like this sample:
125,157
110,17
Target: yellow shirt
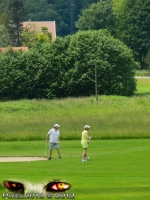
84,136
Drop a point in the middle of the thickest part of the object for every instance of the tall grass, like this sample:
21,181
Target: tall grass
142,73
111,117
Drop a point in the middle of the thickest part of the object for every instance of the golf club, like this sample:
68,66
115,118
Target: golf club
90,137
45,149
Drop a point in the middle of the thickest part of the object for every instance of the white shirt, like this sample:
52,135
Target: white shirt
54,135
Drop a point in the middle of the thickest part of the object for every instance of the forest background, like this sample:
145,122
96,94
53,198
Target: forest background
110,35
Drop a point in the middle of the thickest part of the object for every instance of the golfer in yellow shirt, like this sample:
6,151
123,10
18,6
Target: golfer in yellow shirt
85,142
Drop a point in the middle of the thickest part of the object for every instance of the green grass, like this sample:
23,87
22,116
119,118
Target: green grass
112,117
142,73
143,86
117,169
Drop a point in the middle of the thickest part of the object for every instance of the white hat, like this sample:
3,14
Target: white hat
56,125
86,126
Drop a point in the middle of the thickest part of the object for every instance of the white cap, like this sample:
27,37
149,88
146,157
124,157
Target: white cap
86,126
56,125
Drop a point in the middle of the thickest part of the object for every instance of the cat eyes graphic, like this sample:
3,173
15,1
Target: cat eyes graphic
57,187
15,187
22,188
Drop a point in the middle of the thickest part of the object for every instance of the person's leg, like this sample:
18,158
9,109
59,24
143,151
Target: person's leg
50,155
58,150
84,154
86,157
50,152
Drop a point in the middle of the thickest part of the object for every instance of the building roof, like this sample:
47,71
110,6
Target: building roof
4,49
38,24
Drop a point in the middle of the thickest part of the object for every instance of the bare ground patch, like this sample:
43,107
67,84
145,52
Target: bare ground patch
21,158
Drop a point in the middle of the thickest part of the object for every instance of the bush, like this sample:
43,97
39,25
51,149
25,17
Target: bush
66,67
113,59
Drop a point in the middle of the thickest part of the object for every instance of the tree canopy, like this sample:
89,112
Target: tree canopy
64,12
17,14
133,26
127,20
66,67
98,16
4,36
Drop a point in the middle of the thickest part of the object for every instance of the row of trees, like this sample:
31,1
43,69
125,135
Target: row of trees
127,20
64,12
12,14
66,68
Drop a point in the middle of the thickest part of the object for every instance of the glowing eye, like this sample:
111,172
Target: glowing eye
57,186
14,186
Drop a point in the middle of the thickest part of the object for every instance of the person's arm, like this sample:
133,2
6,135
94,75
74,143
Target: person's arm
58,139
47,137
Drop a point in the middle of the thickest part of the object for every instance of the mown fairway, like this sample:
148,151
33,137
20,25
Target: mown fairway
117,169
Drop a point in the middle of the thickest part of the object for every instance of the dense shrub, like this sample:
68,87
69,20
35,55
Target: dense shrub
66,67
113,59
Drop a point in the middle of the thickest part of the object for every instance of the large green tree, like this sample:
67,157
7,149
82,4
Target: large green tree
98,16
4,20
17,14
4,36
133,26
3,6
114,63
4,17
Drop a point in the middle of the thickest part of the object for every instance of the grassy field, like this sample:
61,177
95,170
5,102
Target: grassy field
110,118
143,86
142,73
116,170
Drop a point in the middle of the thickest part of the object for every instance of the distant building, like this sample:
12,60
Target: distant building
39,24
4,49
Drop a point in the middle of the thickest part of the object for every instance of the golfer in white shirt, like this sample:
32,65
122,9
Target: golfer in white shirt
54,137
